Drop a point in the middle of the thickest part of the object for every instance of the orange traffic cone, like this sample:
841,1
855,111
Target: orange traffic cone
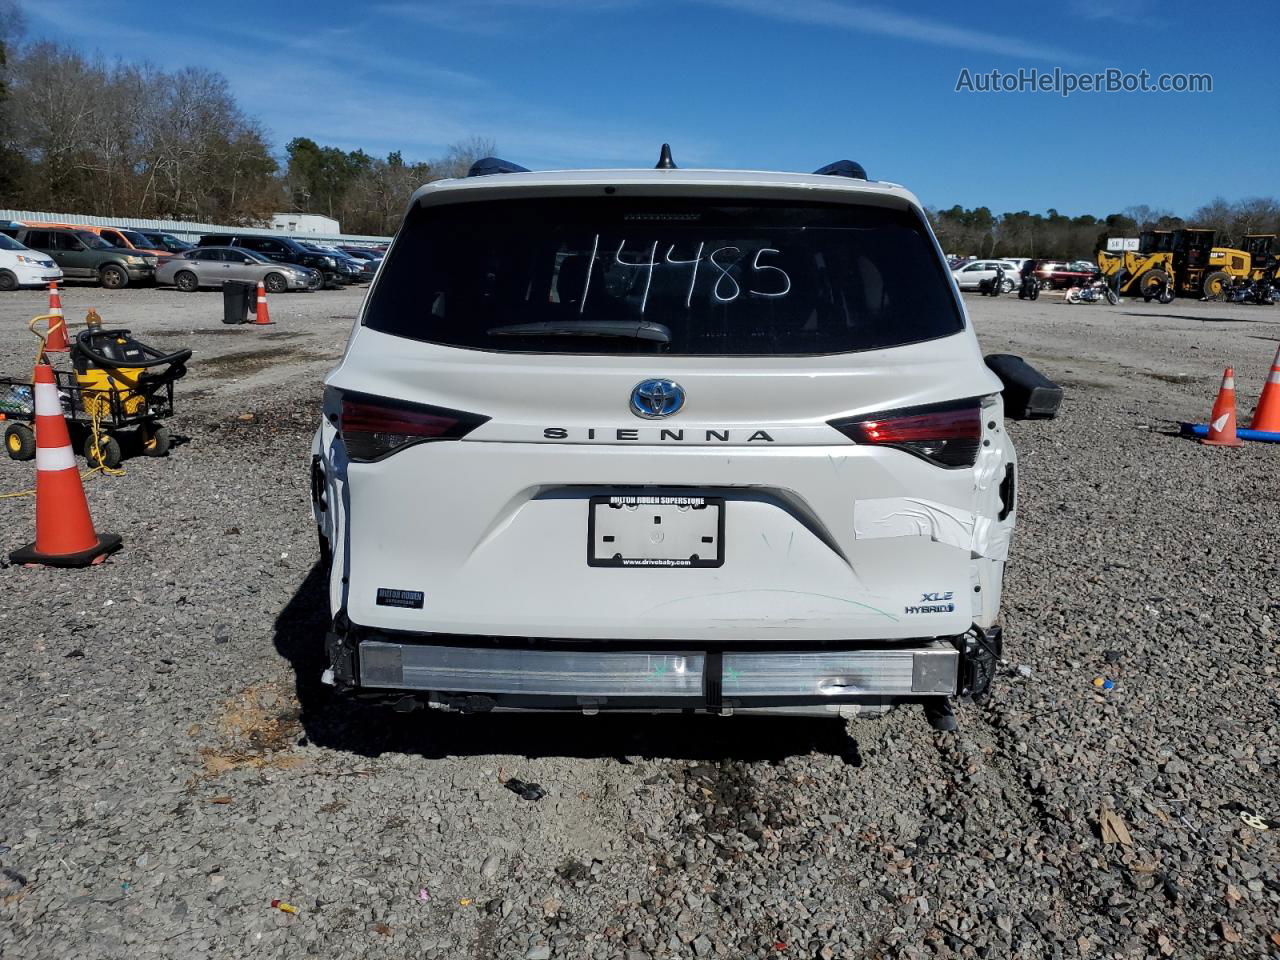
64,530
1222,422
264,316
1266,416
56,341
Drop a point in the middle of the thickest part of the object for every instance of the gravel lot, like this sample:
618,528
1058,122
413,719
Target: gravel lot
171,765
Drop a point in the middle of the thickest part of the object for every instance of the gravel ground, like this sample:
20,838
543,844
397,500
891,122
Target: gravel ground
170,764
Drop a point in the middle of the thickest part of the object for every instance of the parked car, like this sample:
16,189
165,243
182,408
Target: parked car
84,255
165,241
663,439
969,275
281,250
1059,274
213,266
20,266
367,259
351,269
115,236
363,253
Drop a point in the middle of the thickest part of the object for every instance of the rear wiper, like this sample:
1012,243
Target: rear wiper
641,330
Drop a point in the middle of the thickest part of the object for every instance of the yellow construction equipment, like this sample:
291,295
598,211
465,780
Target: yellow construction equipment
1183,261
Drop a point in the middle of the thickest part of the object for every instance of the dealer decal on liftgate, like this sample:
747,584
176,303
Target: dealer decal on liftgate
409,599
663,435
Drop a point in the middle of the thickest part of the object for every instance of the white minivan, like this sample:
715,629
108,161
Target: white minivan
663,439
23,267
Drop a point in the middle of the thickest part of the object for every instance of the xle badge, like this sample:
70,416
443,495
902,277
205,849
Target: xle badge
411,599
933,603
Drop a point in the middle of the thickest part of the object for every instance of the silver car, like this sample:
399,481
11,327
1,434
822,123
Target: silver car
213,266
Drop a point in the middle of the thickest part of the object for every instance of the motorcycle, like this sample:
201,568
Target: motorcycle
1093,291
1030,288
995,285
1239,290
1161,290
1243,290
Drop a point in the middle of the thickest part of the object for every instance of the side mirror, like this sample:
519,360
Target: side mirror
248,262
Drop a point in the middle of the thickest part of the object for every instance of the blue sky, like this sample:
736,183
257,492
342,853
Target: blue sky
762,84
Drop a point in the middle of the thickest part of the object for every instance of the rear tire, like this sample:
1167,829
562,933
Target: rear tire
20,441
1112,297
1215,285
107,454
112,277
8,281
186,281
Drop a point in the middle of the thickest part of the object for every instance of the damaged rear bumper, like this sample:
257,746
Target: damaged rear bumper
482,673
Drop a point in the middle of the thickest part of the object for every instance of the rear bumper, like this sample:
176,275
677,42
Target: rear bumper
451,673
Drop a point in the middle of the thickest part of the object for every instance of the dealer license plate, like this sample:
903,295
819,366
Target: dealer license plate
655,531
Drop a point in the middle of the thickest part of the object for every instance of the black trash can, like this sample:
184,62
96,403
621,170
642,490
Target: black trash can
238,296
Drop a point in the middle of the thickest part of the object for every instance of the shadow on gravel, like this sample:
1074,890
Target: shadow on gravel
328,721
1190,316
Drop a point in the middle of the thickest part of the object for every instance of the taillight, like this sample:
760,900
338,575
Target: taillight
373,427
948,434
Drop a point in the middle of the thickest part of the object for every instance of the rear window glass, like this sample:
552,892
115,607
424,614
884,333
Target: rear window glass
678,276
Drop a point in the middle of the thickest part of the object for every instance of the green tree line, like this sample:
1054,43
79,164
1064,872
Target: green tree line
81,135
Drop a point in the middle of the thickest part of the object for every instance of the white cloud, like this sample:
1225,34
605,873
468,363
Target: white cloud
887,23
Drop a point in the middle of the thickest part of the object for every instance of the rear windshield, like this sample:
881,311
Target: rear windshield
677,276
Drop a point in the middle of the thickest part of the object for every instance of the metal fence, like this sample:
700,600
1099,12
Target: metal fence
184,229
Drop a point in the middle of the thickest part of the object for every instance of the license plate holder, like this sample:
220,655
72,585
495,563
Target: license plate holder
655,530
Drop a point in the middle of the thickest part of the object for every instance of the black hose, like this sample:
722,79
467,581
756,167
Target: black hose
157,358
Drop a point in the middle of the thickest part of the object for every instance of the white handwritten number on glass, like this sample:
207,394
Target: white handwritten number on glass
723,259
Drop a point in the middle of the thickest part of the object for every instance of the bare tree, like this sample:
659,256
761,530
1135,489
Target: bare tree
459,156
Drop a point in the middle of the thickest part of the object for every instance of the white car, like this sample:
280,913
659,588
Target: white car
21,266
969,275
663,440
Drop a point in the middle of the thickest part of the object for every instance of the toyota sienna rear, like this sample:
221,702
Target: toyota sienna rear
664,439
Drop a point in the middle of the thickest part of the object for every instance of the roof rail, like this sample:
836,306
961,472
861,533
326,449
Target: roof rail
488,165
842,168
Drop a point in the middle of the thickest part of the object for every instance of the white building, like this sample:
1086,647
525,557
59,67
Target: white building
304,223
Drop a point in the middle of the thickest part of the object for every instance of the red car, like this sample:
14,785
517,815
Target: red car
1060,274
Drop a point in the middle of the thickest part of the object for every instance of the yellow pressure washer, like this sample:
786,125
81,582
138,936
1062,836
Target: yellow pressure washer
116,383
